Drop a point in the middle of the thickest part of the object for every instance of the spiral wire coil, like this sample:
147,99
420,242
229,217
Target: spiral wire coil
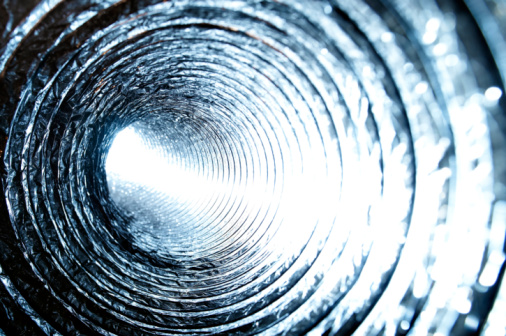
253,167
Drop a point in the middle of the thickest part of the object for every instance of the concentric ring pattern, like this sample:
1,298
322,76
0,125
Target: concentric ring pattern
253,167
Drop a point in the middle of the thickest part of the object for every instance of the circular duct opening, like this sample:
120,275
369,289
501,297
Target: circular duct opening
237,167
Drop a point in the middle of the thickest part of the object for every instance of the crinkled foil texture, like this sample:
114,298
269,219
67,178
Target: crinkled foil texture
324,167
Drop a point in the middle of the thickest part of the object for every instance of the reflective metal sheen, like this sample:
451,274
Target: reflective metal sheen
236,167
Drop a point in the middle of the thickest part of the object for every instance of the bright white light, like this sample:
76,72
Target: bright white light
440,49
405,325
492,269
131,160
429,37
387,37
433,24
472,322
132,164
493,93
421,88
451,60
461,302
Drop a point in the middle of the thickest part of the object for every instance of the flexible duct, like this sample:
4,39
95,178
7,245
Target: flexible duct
253,167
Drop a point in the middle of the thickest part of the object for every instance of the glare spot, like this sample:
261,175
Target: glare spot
433,24
440,49
472,322
451,60
367,71
408,67
493,93
131,160
324,51
404,325
387,37
421,88
492,269
429,37
461,301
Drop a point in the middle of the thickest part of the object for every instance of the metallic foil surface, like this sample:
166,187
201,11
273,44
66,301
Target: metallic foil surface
234,167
